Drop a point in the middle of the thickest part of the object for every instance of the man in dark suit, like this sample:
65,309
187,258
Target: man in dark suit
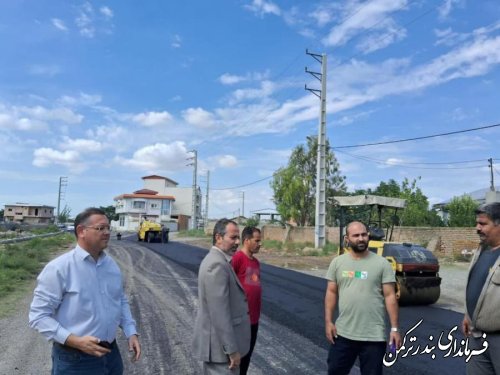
222,328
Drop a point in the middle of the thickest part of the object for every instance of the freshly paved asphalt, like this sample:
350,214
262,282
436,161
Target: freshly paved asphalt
295,300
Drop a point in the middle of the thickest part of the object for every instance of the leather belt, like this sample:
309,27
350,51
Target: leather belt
104,344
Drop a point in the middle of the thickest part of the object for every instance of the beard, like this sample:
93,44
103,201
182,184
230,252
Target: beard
359,247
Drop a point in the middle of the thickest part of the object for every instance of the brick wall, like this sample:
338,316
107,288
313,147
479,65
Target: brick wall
448,241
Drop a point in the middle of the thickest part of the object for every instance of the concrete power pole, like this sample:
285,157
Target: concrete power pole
243,203
492,181
194,213
320,218
206,199
63,182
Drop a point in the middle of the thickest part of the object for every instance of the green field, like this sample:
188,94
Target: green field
21,262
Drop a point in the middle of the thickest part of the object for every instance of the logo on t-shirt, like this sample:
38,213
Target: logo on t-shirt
363,275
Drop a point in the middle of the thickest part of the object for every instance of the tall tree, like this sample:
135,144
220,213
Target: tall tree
417,211
64,214
461,211
1,214
110,212
294,186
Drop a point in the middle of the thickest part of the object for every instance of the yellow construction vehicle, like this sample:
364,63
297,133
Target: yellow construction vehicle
416,268
149,231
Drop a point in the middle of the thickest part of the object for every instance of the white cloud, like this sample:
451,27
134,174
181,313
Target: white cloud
81,100
23,123
106,12
262,7
44,157
151,119
158,157
199,117
44,70
62,114
59,24
231,79
266,89
359,18
84,21
81,145
226,161
176,41
447,7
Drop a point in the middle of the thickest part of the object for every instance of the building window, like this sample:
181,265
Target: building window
154,205
122,221
139,205
165,207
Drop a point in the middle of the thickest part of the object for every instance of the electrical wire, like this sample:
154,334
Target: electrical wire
417,138
240,186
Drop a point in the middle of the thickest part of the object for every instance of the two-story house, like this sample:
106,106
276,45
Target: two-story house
29,213
142,204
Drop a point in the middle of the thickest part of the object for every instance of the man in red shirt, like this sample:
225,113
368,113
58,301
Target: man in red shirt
247,268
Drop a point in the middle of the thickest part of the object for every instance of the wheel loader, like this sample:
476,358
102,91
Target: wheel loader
416,268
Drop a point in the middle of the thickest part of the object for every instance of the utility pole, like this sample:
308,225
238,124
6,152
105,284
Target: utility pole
320,217
243,203
194,218
492,181
206,199
63,182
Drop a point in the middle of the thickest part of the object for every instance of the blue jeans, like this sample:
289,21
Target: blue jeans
343,354
68,361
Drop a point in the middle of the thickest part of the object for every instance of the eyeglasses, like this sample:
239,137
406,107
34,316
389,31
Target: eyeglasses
100,228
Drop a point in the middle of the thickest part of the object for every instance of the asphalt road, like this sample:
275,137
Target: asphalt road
161,281
291,338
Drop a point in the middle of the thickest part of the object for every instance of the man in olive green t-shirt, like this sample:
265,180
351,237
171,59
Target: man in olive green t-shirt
362,283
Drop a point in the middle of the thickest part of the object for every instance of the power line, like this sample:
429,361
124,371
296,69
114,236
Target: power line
240,186
395,164
417,138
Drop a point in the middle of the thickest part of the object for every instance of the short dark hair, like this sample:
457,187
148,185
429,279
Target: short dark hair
220,228
492,210
352,222
83,216
248,232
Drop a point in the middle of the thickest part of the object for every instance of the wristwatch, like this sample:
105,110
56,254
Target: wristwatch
394,329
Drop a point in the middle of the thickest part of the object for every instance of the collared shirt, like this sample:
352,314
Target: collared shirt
226,255
77,295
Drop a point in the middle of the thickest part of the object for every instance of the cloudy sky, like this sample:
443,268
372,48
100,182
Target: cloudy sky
105,92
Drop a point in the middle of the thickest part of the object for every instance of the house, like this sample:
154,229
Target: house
29,213
160,200
141,204
480,196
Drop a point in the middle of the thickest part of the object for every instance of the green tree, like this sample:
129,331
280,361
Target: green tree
417,211
1,214
64,215
110,212
294,186
461,211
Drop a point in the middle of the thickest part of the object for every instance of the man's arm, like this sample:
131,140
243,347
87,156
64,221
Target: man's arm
392,307
47,298
330,304
128,325
216,285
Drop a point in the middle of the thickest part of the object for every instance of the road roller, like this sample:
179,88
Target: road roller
416,268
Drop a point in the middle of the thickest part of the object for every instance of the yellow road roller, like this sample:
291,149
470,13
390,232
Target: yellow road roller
416,268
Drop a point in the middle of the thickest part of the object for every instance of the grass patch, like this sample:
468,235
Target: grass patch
20,263
301,248
192,233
